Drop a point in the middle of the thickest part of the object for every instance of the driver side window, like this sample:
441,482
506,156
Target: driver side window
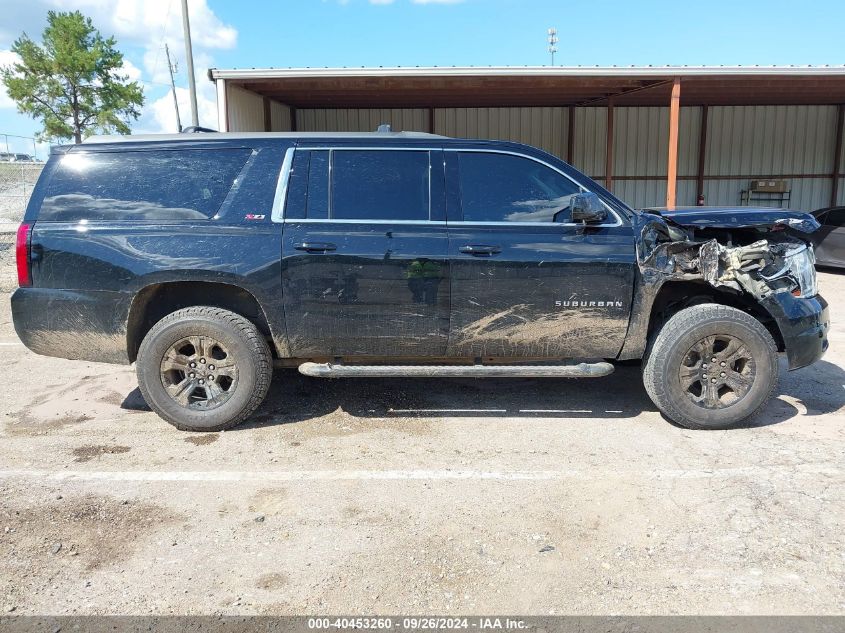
507,188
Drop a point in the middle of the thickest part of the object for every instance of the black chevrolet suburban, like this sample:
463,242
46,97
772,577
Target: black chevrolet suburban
208,259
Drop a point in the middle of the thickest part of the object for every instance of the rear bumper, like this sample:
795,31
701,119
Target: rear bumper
80,325
803,324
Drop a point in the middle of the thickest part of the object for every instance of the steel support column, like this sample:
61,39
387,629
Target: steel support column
608,156
672,168
222,105
268,116
837,156
702,155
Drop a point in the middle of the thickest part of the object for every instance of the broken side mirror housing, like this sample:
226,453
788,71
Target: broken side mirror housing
587,207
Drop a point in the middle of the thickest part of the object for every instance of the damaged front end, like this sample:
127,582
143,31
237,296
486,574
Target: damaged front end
760,268
746,253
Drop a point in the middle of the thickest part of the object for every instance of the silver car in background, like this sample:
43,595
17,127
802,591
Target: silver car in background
829,240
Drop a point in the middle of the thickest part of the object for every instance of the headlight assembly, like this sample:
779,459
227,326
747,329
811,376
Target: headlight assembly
799,265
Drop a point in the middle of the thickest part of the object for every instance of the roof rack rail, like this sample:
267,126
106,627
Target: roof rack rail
192,129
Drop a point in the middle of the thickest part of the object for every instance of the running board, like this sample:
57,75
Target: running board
332,370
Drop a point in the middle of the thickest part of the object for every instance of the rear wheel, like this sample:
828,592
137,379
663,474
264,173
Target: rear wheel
710,367
204,368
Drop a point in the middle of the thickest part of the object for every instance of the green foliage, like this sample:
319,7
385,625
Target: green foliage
72,81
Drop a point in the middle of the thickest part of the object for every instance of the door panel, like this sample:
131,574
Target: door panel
525,282
382,291
364,272
551,292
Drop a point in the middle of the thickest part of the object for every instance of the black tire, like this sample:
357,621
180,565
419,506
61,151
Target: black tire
202,331
697,393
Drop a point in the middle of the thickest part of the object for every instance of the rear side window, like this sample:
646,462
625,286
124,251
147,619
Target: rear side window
142,185
507,188
379,185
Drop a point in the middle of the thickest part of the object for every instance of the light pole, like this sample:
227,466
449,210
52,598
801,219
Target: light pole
192,86
172,68
553,40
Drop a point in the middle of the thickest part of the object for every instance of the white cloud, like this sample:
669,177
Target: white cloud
129,70
146,21
160,115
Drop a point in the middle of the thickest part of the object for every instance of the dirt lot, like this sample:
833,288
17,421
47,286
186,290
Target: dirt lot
8,273
397,496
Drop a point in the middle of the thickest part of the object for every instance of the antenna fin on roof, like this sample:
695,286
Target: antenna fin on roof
384,127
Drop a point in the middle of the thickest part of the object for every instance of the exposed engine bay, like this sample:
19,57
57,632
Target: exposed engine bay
753,253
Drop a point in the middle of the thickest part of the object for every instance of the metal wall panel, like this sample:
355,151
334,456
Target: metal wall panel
361,120
245,110
641,141
545,128
770,141
840,193
279,117
686,194
652,193
589,147
808,194
641,193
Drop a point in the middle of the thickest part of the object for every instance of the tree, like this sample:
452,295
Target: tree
72,81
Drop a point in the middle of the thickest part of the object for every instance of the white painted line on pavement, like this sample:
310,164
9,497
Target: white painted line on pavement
448,410
404,475
557,411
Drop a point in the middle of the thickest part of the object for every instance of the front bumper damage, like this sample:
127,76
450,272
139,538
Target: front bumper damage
770,264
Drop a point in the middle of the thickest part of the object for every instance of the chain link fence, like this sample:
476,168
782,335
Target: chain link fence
16,183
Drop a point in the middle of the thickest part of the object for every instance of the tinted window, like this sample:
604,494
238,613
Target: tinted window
836,218
379,185
318,185
507,188
142,185
297,192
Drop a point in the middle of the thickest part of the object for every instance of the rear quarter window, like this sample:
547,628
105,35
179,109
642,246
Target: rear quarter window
142,185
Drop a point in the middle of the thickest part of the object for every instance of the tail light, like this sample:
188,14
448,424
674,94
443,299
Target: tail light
22,255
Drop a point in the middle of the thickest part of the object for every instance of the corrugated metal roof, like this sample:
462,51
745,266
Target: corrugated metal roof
527,71
538,86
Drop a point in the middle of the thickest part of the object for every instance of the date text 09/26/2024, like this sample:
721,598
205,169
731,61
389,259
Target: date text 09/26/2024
418,623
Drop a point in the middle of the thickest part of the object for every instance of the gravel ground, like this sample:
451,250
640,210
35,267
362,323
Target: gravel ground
8,274
422,496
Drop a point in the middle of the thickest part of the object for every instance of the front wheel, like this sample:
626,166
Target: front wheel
204,369
710,367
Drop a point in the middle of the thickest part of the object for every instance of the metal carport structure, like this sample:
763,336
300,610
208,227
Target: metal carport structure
653,135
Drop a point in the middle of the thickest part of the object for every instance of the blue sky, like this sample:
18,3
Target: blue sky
257,33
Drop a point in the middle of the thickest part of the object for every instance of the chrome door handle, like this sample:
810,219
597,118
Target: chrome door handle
480,250
315,247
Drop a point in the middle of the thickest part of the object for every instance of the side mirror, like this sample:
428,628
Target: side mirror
587,207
